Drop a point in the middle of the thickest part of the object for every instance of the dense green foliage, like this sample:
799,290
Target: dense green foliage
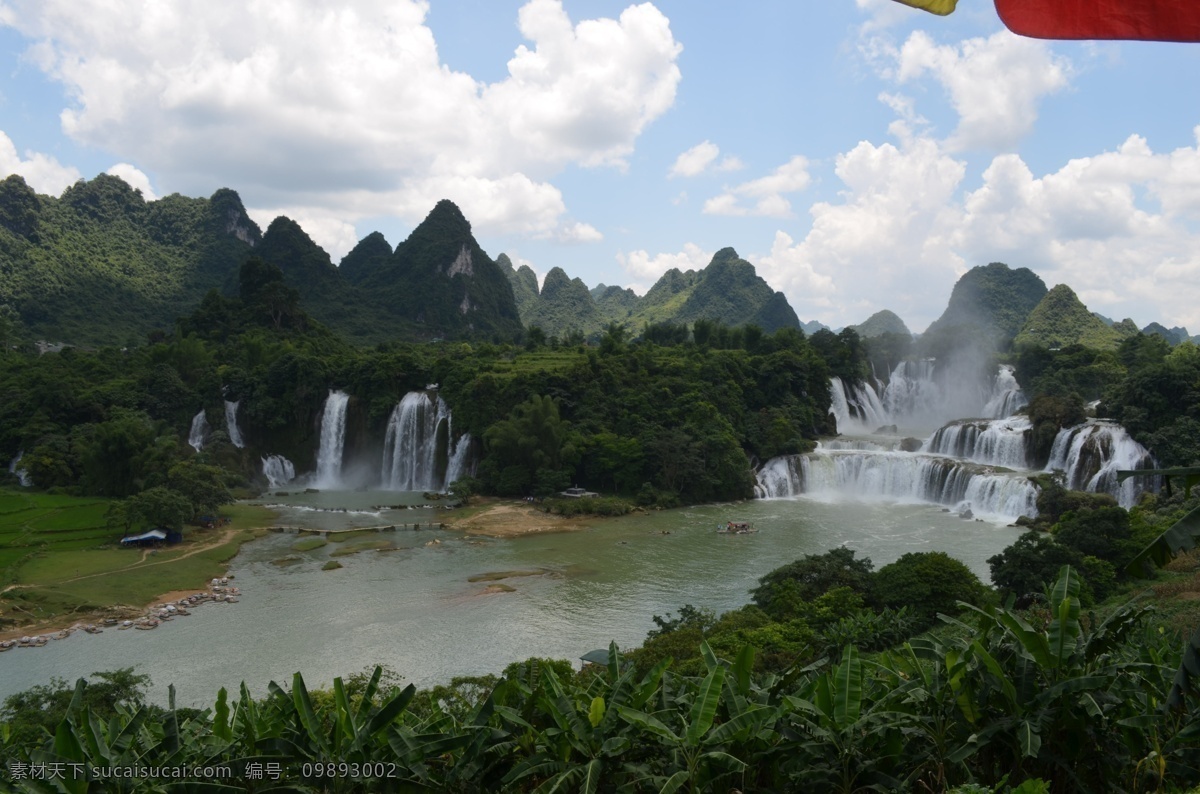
1058,702
1151,388
663,423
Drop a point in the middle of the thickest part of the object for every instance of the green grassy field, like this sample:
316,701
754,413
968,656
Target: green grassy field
58,557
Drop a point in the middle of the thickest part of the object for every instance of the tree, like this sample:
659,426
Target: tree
927,583
1103,533
202,485
531,445
36,712
809,577
159,506
1028,564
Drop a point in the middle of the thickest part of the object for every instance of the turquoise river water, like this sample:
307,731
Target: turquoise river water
413,608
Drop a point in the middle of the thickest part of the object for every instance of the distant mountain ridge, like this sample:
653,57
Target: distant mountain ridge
993,299
100,265
728,290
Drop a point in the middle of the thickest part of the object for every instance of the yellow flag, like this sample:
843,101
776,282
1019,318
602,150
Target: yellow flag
939,7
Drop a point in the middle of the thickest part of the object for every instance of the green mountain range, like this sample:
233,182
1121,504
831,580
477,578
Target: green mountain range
1061,319
728,291
101,265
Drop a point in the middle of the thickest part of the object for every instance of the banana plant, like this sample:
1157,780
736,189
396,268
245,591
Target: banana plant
697,749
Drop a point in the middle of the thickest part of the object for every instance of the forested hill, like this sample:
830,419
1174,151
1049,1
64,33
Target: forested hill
727,291
1061,319
100,265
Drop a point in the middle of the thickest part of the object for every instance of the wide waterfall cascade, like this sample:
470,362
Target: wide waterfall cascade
333,441
420,452
231,425
278,470
1007,397
20,472
917,395
997,442
900,476
199,431
1091,454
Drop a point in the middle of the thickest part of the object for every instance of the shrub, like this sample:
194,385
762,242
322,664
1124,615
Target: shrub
927,583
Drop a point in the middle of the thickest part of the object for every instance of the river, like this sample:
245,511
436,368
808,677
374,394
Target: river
413,608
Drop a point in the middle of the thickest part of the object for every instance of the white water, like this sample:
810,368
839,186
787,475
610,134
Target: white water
900,476
460,464
419,449
1007,397
278,470
998,442
918,396
199,432
231,425
856,407
333,440
1091,454
20,472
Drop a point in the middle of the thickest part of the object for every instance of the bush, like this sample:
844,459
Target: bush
588,506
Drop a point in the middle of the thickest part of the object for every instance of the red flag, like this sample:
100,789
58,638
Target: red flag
1145,20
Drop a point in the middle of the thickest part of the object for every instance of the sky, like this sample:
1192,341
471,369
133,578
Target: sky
861,154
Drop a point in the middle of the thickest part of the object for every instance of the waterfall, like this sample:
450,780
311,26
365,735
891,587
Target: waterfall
1091,454
199,431
999,442
278,470
917,395
856,408
898,475
231,425
1007,397
459,465
20,472
419,451
333,440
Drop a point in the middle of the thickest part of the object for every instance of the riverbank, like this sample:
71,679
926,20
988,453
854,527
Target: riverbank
495,518
57,590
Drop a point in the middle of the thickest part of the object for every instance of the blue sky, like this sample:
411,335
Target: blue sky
861,154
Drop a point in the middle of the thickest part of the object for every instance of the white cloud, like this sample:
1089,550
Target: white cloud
646,269
346,108
1122,228
882,243
695,160
994,84
767,192
578,233
134,178
1093,225
41,172
700,158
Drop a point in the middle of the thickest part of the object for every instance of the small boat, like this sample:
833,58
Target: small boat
7,645
736,528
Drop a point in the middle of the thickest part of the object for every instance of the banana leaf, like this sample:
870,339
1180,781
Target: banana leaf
1181,536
